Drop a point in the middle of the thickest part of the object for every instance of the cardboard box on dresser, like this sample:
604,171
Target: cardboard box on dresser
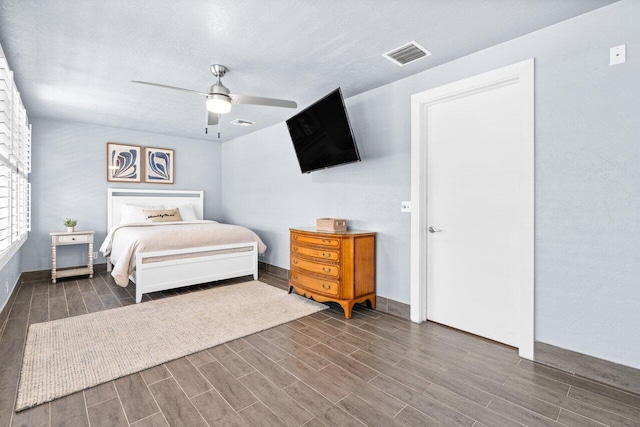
331,225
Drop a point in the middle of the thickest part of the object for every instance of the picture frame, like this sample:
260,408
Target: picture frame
124,162
159,165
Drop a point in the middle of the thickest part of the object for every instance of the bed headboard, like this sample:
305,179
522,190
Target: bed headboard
116,197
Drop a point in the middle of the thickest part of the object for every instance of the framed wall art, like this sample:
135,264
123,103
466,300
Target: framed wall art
123,163
159,165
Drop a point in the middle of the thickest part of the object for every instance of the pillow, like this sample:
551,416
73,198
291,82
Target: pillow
187,212
161,215
130,214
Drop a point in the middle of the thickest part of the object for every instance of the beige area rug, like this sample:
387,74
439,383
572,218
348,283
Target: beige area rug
72,354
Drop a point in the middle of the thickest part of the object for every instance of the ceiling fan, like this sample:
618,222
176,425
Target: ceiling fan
219,98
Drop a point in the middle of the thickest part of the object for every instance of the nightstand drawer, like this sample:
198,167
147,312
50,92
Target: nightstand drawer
315,253
80,238
314,267
322,286
318,241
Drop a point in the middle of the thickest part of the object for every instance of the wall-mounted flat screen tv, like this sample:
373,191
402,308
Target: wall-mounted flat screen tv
322,135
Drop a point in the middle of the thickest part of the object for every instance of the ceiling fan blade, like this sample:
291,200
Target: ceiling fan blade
256,100
170,87
212,118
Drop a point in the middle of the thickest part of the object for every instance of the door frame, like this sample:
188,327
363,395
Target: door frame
521,73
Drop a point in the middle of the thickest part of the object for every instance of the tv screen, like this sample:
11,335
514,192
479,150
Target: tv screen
322,135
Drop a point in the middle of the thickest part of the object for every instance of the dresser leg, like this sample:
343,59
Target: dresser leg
290,289
347,306
371,303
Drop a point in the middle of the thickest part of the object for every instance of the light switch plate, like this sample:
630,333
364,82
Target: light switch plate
405,207
618,55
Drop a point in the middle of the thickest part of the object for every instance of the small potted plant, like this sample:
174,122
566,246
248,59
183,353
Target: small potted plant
70,224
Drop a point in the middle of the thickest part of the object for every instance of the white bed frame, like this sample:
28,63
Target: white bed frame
176,273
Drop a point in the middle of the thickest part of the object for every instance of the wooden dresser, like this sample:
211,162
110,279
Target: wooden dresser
338,267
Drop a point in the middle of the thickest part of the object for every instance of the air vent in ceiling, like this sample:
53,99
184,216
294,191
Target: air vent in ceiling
406,54
240,122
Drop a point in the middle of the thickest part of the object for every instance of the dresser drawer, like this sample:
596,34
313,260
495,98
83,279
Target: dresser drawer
328,287
315,267
81,238
318,241
329,255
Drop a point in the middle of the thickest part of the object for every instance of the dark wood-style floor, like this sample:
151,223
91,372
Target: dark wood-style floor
374,370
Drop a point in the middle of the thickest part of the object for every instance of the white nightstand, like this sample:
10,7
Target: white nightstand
74,238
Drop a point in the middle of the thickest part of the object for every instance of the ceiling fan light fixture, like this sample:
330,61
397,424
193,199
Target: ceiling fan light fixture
219,104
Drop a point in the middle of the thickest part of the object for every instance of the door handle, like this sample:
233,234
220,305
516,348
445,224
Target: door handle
432,229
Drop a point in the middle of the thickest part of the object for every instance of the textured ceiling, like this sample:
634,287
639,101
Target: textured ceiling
73,59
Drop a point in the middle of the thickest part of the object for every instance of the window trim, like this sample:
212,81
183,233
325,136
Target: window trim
16,158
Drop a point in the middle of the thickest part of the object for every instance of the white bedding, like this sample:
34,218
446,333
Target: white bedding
123,242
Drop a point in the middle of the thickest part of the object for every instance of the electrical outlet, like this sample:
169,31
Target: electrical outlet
95,255
618,55
405,207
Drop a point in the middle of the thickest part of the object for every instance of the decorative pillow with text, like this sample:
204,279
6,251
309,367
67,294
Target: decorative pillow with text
164,215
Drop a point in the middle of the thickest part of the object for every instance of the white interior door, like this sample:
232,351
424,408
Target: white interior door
475,159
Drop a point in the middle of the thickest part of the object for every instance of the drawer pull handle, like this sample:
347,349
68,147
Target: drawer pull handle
326,255
295,261
327,287
73,238
326,270
326,241
295,248
295,276
295,237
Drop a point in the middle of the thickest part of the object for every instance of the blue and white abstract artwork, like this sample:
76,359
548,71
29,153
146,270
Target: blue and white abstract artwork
159,165
123,163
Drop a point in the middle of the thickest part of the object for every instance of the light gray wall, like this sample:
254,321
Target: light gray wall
587,179
264,189
69,180
9,277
